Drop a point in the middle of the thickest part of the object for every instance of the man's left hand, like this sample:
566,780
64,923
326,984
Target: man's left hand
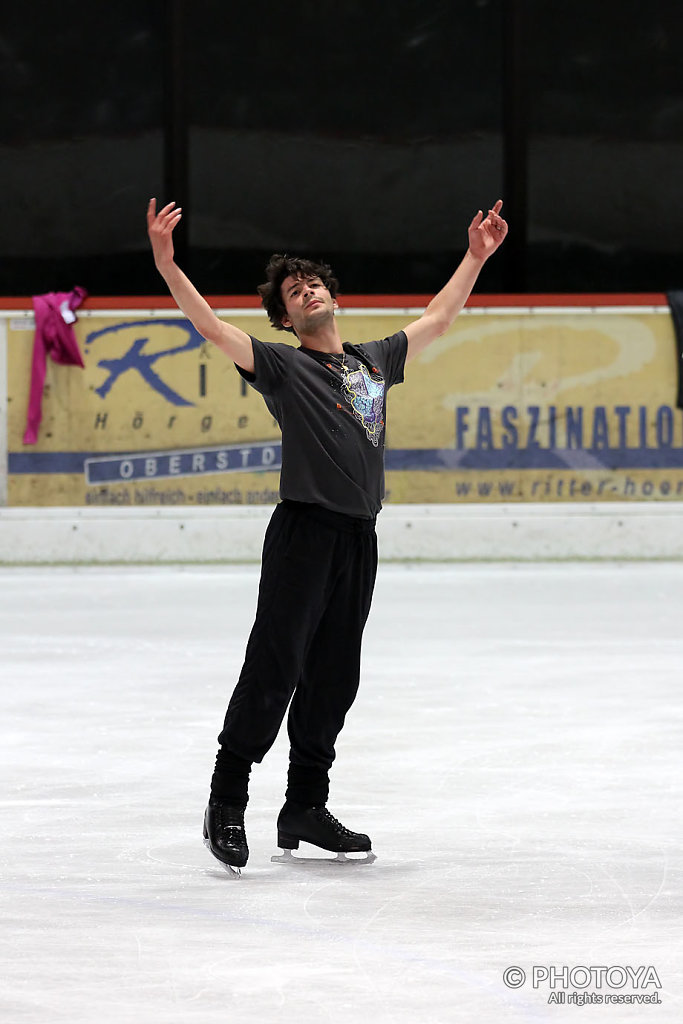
486,234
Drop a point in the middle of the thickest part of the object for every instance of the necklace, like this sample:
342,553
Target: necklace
340,361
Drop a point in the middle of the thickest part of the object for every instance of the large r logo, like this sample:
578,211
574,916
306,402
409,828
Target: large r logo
139,361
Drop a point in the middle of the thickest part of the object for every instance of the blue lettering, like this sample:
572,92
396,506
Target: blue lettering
600,428
665,427
484,429
461,426
552,427
622,413
535,415
138,360
574,423
510,431
642,425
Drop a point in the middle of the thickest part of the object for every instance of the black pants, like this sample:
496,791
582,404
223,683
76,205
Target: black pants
317,579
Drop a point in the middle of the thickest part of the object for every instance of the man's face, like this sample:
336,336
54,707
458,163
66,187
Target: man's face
308,303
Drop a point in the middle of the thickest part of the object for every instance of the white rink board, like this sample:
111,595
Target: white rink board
643,530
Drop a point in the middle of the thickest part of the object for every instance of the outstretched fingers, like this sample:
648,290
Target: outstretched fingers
487,233
494,224
165,220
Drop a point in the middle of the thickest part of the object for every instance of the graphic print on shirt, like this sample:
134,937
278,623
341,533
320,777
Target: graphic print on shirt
365,394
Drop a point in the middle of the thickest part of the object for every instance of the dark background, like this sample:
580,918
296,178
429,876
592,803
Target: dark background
365,133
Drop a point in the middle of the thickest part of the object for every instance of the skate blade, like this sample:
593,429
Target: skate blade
287,857
232,871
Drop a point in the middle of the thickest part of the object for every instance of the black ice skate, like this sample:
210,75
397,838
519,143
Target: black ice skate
317,826
224,835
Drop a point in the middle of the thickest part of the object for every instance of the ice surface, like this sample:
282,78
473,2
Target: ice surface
514,753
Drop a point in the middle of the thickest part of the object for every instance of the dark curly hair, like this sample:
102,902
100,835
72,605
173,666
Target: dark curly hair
283,266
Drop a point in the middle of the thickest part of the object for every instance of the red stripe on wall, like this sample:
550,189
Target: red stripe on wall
146,302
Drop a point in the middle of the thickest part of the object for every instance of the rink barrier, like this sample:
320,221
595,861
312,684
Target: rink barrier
528,532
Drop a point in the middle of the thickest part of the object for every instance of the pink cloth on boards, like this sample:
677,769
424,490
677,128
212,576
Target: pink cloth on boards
54,337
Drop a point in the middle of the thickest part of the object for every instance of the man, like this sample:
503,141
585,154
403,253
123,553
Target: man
320,554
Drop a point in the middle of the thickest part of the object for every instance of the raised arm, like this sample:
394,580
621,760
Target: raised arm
233,341
485,236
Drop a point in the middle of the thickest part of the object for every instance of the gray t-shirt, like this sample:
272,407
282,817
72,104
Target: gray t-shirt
331,411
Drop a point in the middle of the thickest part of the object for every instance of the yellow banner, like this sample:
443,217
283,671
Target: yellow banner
506,407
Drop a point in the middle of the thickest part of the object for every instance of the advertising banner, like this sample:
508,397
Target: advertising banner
508,406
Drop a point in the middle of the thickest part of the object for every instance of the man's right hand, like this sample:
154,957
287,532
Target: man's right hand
160,230
232,340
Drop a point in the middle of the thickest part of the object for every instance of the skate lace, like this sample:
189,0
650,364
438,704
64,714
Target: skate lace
229,819
325,818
